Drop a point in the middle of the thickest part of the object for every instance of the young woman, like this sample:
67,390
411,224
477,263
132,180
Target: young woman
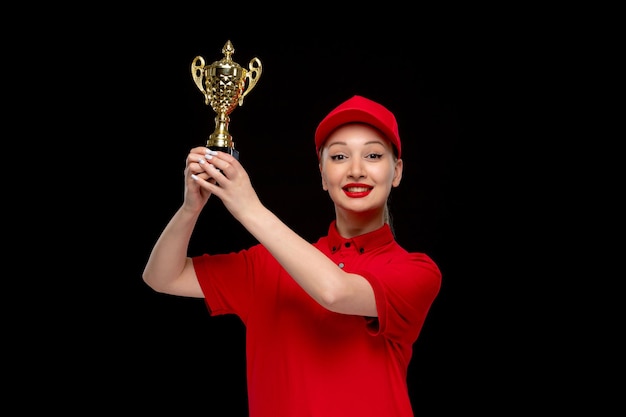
330,325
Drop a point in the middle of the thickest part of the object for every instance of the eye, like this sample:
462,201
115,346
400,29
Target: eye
374,156
337,157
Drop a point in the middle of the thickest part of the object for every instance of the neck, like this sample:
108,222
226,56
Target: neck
355,224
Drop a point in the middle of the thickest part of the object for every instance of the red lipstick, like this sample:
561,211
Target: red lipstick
355,190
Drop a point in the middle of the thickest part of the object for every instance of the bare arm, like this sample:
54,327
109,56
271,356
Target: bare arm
169,269
320,277
324,281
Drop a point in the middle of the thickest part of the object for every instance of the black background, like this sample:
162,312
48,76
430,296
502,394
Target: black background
460,89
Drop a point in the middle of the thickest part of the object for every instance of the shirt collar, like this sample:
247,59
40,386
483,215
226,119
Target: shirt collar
362,243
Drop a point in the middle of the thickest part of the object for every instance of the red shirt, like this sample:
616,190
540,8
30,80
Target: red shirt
303,360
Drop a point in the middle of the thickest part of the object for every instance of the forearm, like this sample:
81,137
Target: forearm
319,276
169,254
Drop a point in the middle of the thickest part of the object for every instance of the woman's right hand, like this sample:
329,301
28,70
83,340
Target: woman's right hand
195,196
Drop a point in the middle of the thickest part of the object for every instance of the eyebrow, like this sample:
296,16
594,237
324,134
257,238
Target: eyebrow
371,142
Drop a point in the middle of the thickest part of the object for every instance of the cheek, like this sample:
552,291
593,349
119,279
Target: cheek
328,179
328,173
383,175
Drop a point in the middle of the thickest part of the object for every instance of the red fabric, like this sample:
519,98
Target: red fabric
359,109
303,360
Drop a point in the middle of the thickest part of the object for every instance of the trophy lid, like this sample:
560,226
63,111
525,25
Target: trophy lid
228,50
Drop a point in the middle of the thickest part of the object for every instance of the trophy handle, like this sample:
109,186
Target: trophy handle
252,76
197,71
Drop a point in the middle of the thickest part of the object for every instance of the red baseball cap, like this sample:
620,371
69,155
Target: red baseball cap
359,109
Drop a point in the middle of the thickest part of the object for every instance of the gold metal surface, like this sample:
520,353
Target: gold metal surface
224,84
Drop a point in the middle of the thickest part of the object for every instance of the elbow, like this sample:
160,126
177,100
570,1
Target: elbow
147,280
327,300
350,295
333,292
150,281
330,299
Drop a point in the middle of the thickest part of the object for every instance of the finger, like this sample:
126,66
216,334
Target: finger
196,153
214,172
201,150
200,161
225,156
193,168
226,163
204,176
206,180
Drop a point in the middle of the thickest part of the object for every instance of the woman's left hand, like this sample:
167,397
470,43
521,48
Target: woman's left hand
232,184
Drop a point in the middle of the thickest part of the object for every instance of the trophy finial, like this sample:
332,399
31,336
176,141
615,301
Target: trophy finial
228,50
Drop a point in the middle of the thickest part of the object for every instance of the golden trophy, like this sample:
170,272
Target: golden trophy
224,84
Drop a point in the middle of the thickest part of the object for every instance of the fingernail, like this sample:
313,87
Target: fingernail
201,161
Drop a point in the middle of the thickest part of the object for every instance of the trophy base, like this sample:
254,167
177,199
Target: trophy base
232,151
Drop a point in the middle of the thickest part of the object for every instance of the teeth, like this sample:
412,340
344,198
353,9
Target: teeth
357,189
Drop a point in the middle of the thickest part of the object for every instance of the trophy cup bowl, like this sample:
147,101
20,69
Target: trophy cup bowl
224,84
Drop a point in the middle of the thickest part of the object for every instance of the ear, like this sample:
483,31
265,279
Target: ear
397,173
324,186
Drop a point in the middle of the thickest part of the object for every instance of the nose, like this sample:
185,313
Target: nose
356,168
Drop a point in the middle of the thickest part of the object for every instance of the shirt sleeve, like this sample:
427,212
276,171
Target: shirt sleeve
226,281
405,289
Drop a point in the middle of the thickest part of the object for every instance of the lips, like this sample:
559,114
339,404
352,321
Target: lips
357,190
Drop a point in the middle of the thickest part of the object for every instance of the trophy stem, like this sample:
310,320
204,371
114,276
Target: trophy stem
220,139
220,136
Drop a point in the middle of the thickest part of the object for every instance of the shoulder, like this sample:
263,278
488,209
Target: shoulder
416,267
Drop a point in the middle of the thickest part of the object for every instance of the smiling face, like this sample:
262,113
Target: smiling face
359,169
